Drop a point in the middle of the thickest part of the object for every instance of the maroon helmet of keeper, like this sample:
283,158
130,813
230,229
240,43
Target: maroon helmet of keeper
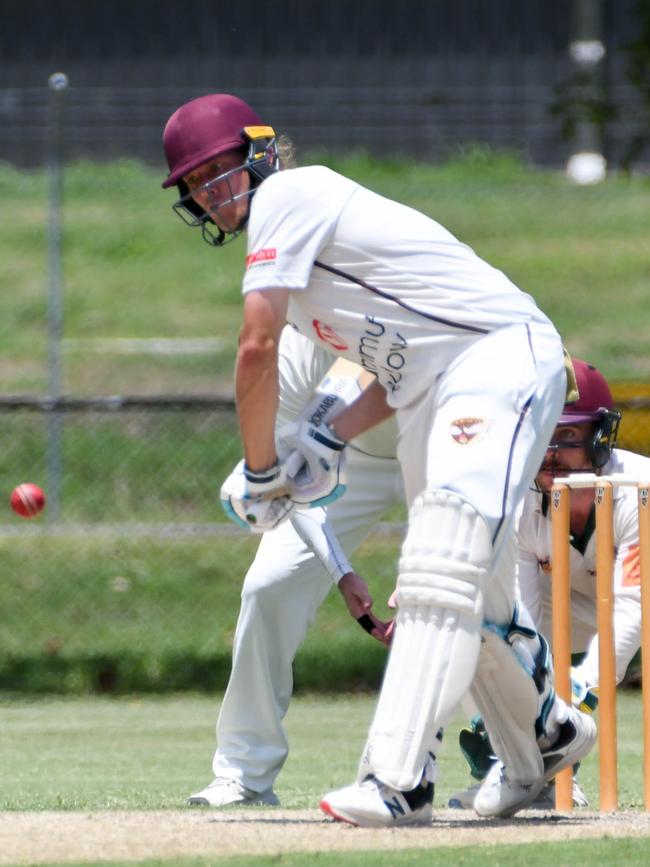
595,404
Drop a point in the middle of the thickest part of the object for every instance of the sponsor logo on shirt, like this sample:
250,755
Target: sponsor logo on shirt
465,430
266,256
327,334
382,354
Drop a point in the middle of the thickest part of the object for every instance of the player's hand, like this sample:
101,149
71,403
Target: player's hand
359,603
257,501
318,462
390,625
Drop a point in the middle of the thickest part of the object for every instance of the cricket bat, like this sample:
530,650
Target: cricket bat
341,386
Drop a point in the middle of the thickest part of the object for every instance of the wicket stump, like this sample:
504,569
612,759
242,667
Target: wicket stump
561,606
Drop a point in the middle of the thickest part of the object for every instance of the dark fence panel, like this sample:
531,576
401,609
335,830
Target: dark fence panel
416,77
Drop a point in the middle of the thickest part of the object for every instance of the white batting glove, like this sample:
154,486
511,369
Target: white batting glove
257,501
320,456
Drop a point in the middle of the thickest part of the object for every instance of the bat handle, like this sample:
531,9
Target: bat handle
294,463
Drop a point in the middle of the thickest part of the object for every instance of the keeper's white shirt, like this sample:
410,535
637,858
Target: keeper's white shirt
534,570
373,280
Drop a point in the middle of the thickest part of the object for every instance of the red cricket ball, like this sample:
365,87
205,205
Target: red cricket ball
27,500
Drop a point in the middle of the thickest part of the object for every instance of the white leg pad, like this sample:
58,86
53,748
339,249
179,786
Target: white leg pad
508,700
433,657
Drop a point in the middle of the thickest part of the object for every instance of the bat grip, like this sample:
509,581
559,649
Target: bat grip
365,622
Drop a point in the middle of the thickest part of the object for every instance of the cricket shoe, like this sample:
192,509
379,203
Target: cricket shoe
577,736
464,799
373,804
501,795
546,798
226,790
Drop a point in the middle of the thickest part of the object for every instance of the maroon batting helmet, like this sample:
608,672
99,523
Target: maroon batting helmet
595,404
205,127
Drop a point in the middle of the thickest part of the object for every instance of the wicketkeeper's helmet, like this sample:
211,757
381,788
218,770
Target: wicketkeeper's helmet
594,404
201,130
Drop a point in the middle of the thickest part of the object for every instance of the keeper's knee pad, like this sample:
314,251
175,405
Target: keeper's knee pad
511,691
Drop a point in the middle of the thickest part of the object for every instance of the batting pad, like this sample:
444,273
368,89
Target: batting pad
435,648
508,700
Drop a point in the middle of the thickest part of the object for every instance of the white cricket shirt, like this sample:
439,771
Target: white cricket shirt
373,280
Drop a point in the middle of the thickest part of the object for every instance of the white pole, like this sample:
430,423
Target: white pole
587,165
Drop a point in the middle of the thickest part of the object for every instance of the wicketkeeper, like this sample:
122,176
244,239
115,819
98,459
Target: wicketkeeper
584,440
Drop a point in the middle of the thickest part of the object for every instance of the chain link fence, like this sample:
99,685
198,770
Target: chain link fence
129,578
155,463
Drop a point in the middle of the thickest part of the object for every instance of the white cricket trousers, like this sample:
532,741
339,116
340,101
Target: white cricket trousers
481,431
281,594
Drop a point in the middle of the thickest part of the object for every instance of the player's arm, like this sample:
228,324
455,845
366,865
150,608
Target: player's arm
627,592
627,596
320,442
315,530
368,410
529,584
256,374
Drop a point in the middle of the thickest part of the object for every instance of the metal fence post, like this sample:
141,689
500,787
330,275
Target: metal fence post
58,84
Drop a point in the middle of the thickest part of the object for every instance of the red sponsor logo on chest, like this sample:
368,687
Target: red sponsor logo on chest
327,334
268,254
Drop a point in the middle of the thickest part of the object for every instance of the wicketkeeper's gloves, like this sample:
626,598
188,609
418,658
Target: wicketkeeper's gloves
583,697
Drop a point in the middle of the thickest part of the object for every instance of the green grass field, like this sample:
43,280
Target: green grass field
150,753
628,852
146,753
132,269
119,613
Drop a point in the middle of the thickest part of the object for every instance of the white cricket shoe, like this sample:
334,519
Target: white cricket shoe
373,804
226,790
546,798
577,736
464,799
501,795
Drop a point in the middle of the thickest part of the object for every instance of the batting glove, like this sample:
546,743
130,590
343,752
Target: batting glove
257,501
321,476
